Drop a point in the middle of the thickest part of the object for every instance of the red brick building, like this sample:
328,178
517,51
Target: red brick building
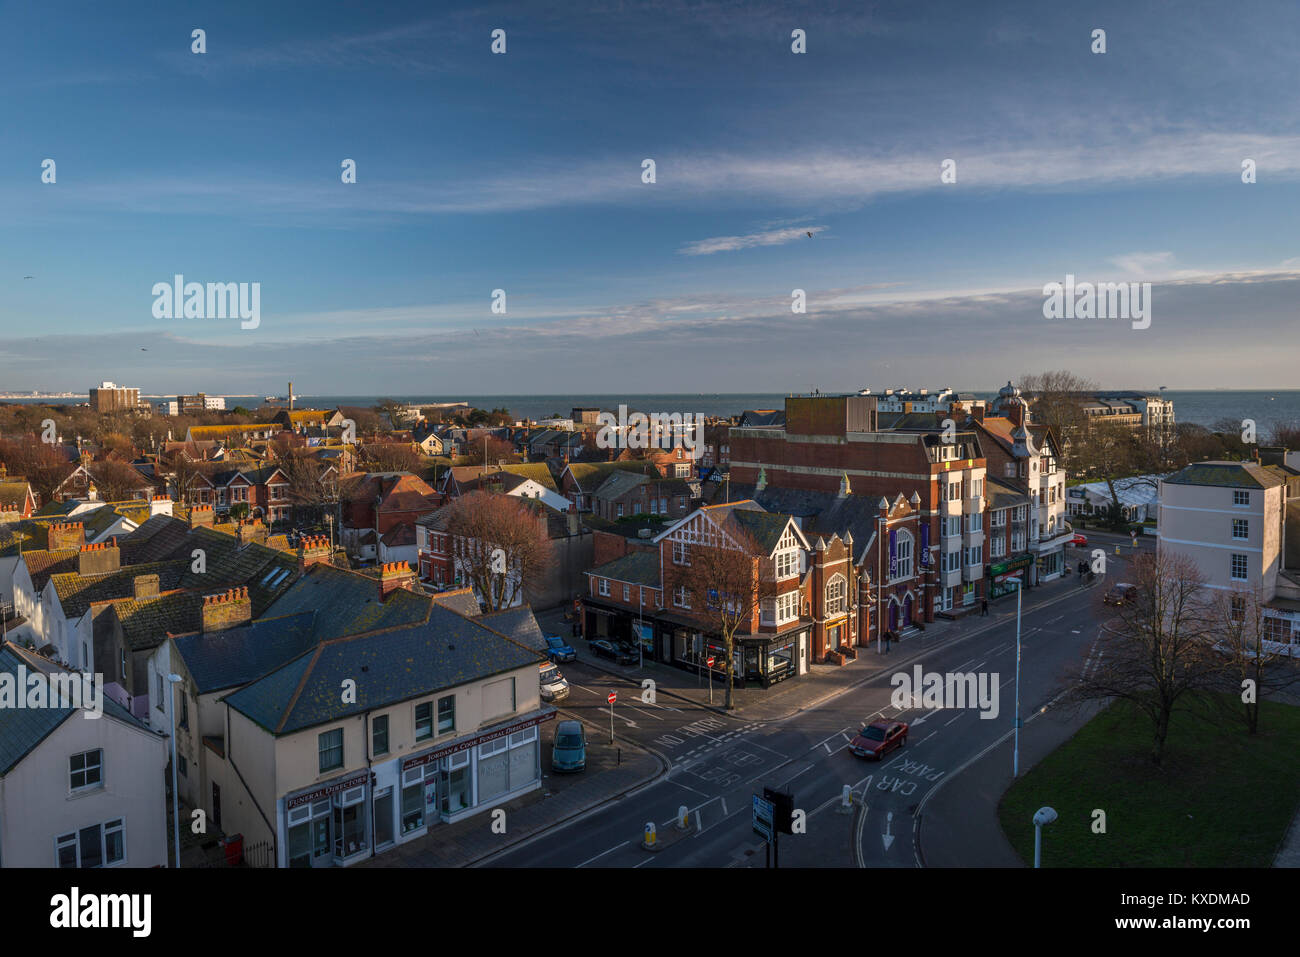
639,597
931,478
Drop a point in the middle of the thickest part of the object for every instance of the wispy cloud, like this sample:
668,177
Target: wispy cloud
773,237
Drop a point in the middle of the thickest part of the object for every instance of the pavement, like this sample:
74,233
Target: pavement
612,773
822,682
958,823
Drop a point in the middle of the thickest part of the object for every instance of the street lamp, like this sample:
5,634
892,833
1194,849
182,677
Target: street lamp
1015,760
1044,815
174,680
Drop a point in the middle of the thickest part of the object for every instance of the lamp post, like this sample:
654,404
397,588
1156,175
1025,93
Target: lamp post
173,680
1015,760
1044,815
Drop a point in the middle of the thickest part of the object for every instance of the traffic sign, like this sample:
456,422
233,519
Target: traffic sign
711,661
763,811
612,697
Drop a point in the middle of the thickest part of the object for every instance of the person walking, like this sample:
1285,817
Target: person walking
889,636
984,607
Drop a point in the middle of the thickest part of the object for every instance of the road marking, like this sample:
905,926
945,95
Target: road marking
981,664
928,736
603,853
827,747
1057,618
647,713
952,719
686,786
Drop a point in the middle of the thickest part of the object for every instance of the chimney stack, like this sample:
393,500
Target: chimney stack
395,575
145,586
64,535
201,516
99,559
160,505
313,549
227,610
248,532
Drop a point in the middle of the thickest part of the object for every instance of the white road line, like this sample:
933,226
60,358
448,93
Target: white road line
1057,618
981,664
603,853
647,713
952,719
928,737
686,786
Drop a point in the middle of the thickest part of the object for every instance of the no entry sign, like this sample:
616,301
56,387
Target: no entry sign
612,697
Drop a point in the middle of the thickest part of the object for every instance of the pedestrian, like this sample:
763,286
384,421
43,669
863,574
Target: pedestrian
889,636
984,607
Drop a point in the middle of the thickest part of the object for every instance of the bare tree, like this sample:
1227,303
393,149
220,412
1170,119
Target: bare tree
1108,449
1054,399
499,544
116,481
724,583
1251,670
44,466
309,493
390,457
489,450
1156,653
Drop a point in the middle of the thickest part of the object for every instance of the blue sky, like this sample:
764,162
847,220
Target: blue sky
523,172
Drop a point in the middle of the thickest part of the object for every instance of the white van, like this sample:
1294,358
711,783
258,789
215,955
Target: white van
554,687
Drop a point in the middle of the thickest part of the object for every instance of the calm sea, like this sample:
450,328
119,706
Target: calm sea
1208,408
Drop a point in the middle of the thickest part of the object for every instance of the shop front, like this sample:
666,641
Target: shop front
336,824
329,825
1004,576
458,778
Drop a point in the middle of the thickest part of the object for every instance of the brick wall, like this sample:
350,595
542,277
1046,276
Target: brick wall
99,559
227,610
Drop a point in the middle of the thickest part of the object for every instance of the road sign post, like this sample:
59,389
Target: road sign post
611,698
710,664
763,818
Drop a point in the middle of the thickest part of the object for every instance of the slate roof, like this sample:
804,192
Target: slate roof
403,533
519,624
157,538
235,656
18,535
461,601
1002,494
23,729
589,475
42,564
436,520
146,622
347,603
640,567
762,417
821,513
77,592
1229,475
267,572
390,666
619,482
14,494
765,528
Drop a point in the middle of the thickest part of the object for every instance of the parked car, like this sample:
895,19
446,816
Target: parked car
569,752
1079,541
1120,594
617,652
558,650
879,738
553,685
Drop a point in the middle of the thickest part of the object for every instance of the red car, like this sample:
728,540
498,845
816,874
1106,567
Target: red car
878,739
1079,541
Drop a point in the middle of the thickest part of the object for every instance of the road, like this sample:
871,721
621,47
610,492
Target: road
718,762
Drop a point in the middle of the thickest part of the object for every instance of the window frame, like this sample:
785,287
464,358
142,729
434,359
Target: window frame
322,749
85,770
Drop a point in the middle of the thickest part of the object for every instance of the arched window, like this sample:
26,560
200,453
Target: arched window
903,552
837,601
